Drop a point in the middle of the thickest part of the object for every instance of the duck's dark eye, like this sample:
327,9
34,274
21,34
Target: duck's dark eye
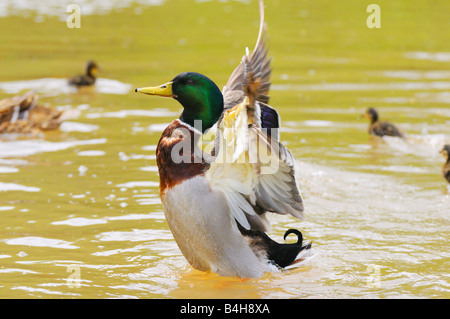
190,82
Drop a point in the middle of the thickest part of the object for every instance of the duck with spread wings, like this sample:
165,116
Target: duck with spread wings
216,204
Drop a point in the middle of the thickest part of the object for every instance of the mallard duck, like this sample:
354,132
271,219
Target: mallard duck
216,204
446,168
86,79
381,128
22,114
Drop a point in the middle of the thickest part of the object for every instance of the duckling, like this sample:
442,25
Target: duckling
22,114
381,128
87,79
446,168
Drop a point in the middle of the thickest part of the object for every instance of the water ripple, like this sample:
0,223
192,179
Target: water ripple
40,242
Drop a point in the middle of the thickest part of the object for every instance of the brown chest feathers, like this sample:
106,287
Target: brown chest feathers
178,156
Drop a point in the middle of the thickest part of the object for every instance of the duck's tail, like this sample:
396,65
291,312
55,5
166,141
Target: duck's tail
287,255
284,256
303,249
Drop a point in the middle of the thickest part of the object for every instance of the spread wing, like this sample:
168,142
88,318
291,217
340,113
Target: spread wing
254,171
260,64
233,91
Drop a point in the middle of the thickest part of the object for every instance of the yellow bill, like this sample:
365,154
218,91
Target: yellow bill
162,90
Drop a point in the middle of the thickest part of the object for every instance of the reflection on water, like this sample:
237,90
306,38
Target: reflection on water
58,8
40,242
86,195
16,187
20,148
125,113
69,126
52,86
432,56
401,86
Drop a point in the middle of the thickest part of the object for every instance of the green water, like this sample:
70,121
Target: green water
84,201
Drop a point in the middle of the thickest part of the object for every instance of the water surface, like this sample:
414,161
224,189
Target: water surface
84,201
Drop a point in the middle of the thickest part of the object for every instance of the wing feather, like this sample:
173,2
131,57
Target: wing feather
235,210
253,170
260,64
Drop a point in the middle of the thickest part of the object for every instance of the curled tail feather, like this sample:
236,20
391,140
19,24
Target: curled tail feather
296,232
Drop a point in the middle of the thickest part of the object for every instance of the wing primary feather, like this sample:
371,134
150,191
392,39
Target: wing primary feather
249,191
237,213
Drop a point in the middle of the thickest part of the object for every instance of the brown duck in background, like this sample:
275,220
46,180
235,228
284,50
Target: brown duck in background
86,79
446,168
22,114
381,128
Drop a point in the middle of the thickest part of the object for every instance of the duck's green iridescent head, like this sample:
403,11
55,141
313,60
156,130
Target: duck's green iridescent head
200,97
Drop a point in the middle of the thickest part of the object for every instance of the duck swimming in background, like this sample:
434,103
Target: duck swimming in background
86,79
446,168
22,114
381,128
216,204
